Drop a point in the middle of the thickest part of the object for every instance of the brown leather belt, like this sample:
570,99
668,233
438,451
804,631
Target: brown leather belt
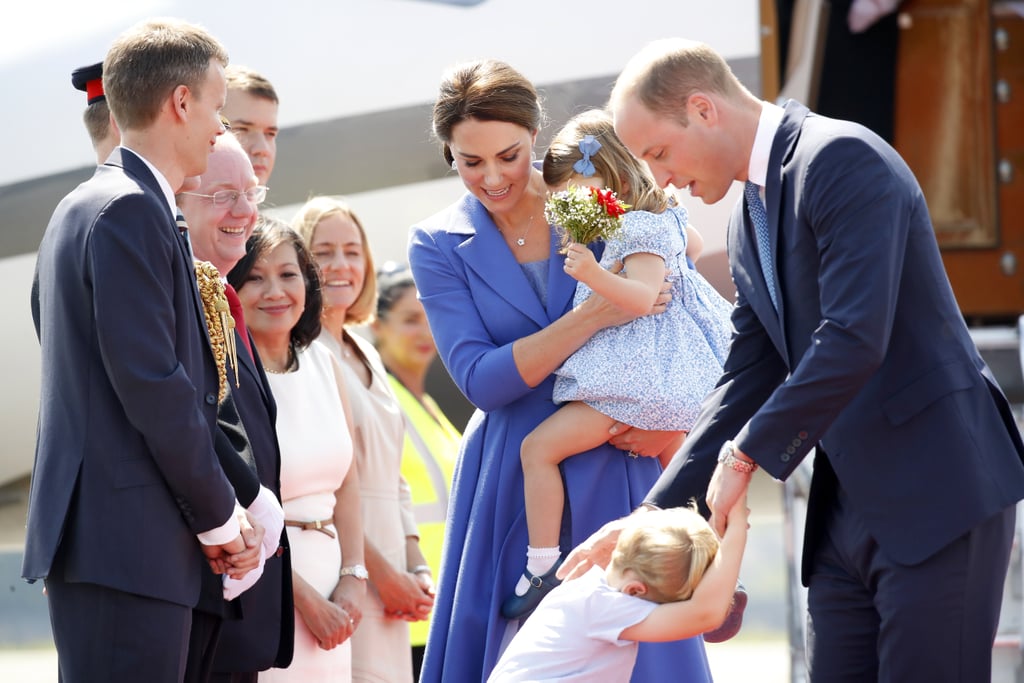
318,525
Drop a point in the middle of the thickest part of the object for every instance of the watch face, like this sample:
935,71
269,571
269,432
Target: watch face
356,570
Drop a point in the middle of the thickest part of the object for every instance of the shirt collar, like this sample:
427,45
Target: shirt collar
767,127
165,186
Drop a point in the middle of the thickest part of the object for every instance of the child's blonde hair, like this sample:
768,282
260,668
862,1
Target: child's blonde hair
669,550
619,169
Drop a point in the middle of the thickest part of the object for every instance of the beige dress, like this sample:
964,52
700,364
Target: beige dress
381,652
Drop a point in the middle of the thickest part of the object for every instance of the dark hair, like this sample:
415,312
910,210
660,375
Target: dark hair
270,233
393,281
486,90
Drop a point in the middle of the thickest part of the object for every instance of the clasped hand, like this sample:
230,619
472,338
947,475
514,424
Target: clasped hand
241,555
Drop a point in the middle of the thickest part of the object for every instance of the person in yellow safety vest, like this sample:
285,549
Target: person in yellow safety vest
406,347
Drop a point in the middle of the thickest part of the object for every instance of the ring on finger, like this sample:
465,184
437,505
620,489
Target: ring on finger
633,454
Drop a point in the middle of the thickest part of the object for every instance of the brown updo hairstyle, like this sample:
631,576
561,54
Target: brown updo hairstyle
617,167
270,233
486,90
309,216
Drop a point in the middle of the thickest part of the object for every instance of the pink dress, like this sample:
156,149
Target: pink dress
316,453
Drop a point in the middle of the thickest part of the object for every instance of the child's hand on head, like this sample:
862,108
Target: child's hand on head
580,262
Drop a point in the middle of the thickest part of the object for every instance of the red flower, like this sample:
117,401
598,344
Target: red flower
608,200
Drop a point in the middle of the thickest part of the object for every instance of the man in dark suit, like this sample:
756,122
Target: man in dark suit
221,215
847,341
127,494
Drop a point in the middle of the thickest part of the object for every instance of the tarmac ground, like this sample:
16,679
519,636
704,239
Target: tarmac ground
759,653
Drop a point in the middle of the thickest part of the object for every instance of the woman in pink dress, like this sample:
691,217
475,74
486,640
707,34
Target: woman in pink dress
279,288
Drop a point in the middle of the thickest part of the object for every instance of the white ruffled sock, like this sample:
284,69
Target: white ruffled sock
539,561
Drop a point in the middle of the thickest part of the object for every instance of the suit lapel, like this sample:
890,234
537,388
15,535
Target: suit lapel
487,255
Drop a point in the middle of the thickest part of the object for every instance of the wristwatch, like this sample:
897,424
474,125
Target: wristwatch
356,570
727,456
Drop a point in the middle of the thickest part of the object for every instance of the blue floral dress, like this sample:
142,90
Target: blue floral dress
653,372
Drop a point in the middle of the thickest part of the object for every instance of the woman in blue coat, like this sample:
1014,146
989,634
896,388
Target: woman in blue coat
499,303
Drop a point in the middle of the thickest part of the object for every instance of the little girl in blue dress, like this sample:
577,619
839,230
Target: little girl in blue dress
651,373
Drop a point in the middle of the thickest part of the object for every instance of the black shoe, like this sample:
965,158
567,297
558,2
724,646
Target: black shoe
519,606
733,620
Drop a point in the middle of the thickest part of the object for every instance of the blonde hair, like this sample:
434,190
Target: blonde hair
665,73
669,550
619,169
305,223
244,79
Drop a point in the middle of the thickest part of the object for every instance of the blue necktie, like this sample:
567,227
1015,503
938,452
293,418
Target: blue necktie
759,218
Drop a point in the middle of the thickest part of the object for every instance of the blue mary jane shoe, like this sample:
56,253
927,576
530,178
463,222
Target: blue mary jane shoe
519,606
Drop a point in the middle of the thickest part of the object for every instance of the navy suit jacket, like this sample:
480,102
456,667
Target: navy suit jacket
125,473
868,356
265,635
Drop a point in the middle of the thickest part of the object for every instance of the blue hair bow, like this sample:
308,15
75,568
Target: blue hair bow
588,147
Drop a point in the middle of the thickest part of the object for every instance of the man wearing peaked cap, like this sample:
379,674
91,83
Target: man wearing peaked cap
103,131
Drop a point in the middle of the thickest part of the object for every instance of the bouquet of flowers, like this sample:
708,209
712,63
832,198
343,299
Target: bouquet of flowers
585,214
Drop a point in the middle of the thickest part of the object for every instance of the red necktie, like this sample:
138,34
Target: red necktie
236,312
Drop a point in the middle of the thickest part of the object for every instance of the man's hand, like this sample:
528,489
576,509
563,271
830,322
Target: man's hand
241,563
217,555
596,550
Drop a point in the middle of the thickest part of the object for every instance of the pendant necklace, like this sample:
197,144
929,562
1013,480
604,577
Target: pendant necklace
521,241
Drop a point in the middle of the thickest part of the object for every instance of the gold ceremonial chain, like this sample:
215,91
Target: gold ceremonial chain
219,323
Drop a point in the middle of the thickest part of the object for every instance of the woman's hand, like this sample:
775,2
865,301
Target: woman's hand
404,596
348,595
329,623
642,441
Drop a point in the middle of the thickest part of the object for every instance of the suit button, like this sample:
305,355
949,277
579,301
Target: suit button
802,435
784,457
797,442
280,551
211,400
790,450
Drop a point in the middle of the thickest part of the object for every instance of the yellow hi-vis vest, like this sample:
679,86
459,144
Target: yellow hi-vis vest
428,460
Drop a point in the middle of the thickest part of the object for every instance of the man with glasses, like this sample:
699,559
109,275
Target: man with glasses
221,215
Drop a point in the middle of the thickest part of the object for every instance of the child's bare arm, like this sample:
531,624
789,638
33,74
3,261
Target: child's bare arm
694,243
634,293
709,605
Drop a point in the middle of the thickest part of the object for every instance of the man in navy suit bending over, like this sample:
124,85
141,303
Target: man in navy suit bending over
847,341
127,494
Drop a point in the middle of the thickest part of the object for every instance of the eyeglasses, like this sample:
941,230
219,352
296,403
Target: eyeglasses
254,195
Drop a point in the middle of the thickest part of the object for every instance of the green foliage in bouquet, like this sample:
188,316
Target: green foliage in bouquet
585,214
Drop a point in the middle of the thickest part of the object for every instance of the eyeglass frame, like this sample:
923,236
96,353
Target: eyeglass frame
238,193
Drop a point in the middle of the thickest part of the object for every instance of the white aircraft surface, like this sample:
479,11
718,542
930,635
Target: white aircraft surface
356,80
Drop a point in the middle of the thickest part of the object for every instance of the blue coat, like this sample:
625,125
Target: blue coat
125,474
868,355
478,303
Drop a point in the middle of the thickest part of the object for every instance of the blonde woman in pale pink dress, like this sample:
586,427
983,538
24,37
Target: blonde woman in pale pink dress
401,588
277,283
